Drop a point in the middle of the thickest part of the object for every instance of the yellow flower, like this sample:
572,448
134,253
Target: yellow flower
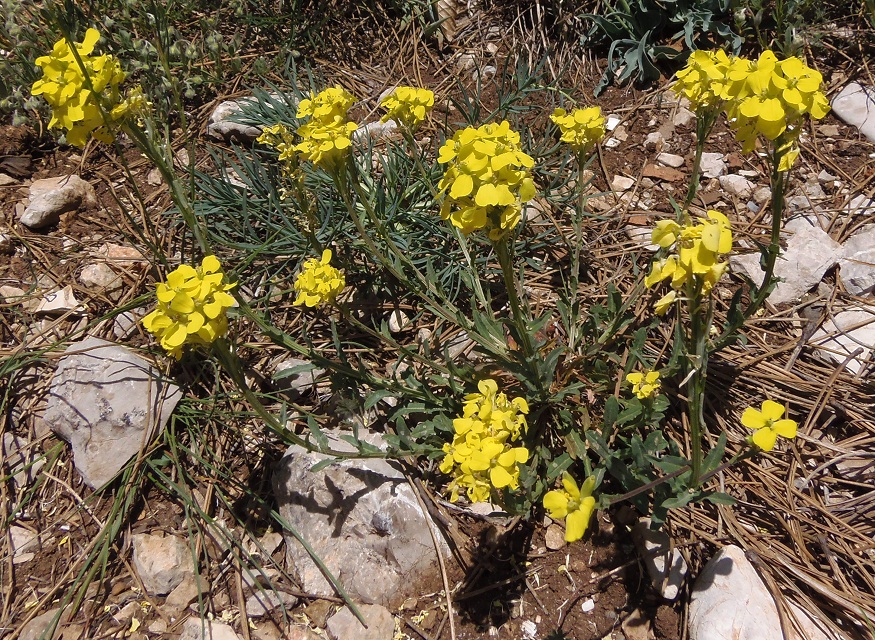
481,458
768,425
327,136
77,93
705,79
644,385
575,505
582,128
318,281
487,179
408,106
192,306
664,303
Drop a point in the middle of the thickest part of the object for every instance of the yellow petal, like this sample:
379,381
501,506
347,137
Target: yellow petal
753,419
772,410
785,428
765,439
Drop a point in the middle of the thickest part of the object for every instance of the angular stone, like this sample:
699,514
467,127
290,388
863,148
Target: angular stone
124,324
855,104
810,253
554,537
36,629
23,459
361,518
186,591
376,131
844,333
683,117
670,160
161,562
622,183
196,629
857,264
343,625
666,565
737,185
730,601
861,206
662,173
107,402
262,603
24,543
101,277
654,140
300,382
50,197
59,302
6,180
713,165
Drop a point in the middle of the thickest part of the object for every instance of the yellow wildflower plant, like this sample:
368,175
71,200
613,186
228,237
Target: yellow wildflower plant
280,138
192,306
327,136
481,458
487,180
573,504
696,250
768,425
644,384
318,282
73,91
581,129
408,106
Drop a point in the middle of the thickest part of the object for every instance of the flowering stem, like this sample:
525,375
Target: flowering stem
704,123
574,278
779,184
697,364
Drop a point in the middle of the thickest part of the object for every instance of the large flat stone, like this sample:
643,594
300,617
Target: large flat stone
855,104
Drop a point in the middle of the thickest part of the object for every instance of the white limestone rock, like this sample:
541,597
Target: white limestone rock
196,629
670,160
161,562
855,104
857,264
844,333
666,565
48,198
343,625
730,601
222,127
106,402
737,185
361,518
713,165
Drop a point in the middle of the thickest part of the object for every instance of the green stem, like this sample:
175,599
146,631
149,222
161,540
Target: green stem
574,278
779,184
697,363
704,123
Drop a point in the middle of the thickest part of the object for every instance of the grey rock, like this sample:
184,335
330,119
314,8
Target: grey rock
107,402
195,629
654,140
161,562
101,277
262,603
36,628
361,518
622,183
844,333
50,197
222,127
23,459
301,632
861,206
186,591
376,131
825,177
302,381
737,185
857,264
24,543
670,160
666,565
810,253
398,321
56,303
124,324
6,180
7,243
343,625
730,601
683,117
855,104
762,195
713,165
554,537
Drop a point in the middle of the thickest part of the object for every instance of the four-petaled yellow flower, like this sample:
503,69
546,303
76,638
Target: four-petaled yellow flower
696,255
575,505
192,306
644,384
73,91
768,425
582,128
481,458
704,80
487,179
326,137
408,106
318,281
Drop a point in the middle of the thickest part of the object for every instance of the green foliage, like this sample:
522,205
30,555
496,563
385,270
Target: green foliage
642,33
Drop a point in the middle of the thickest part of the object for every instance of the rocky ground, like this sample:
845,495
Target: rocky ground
78,414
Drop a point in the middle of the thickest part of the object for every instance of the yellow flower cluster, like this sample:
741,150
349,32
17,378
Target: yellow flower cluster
408,106
644,384
695,257
318,281
765,97
487,179
481,457
582,128
574,504
73,90
280,138
192,306
326,136
768,425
